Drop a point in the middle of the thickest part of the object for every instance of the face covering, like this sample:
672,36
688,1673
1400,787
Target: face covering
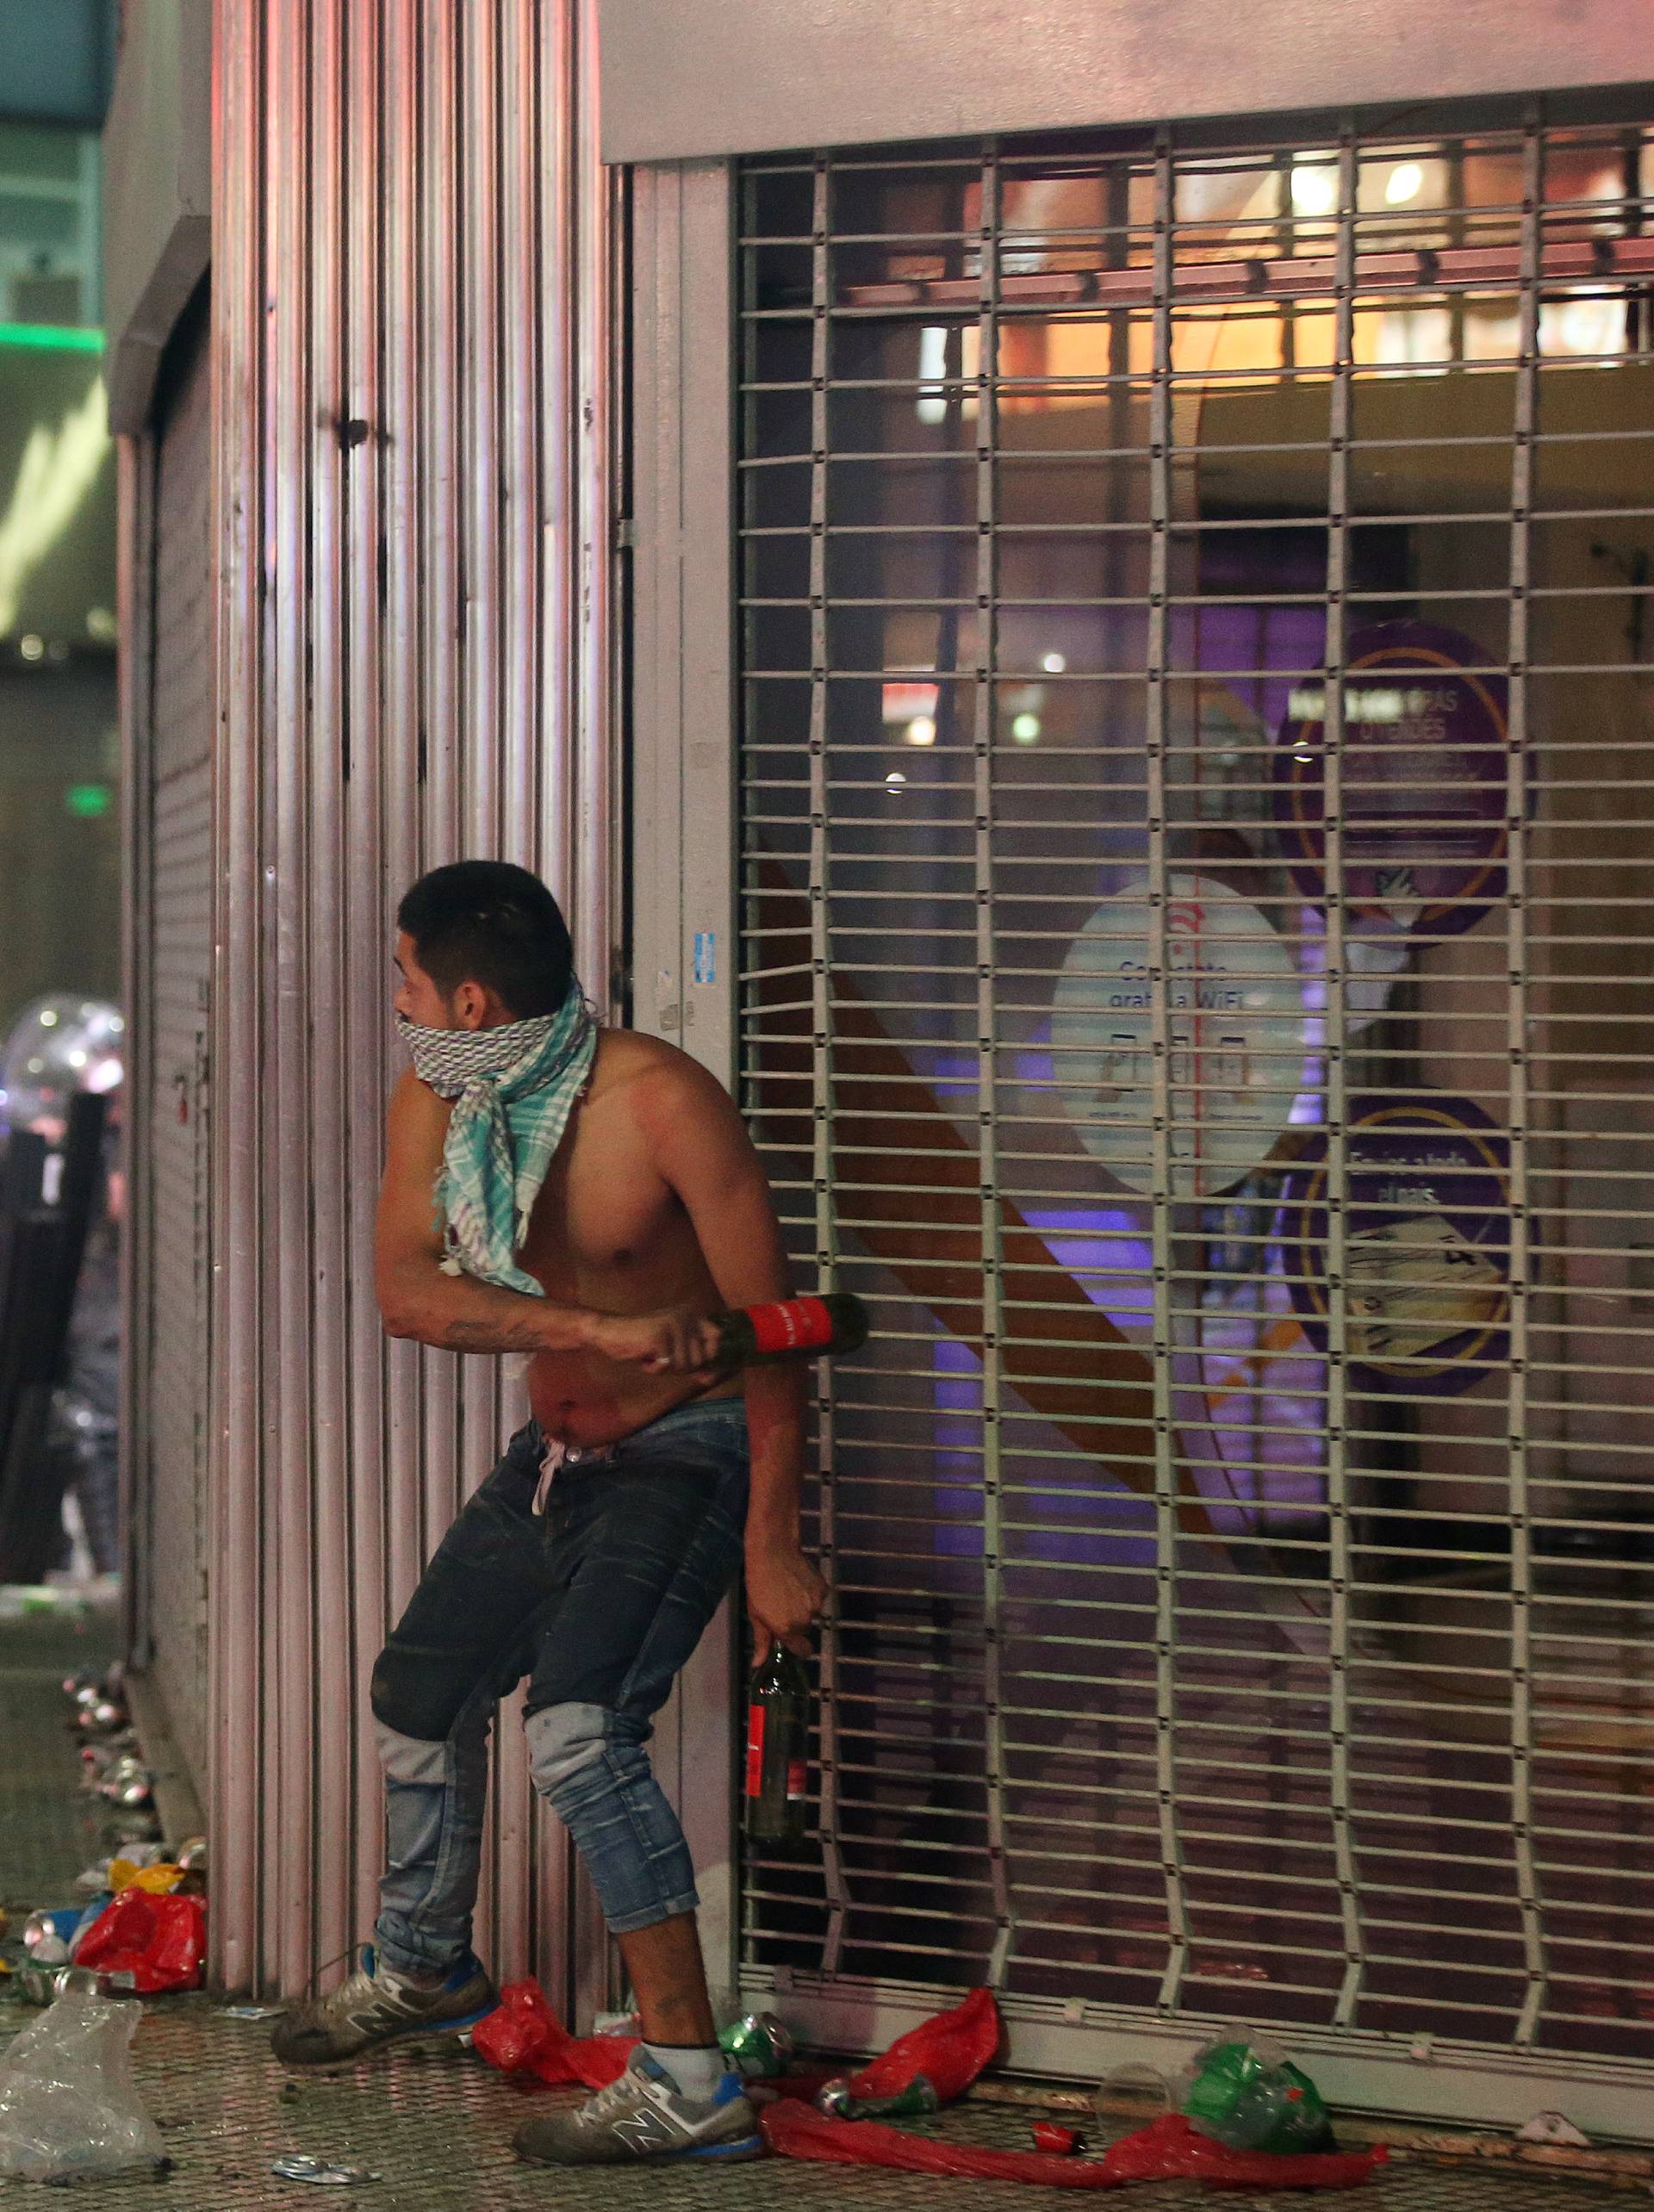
514,1090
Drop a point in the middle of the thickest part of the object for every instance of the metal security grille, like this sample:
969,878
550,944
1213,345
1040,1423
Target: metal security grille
1196,942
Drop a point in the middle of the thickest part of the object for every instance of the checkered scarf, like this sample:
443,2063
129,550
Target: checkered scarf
514,1090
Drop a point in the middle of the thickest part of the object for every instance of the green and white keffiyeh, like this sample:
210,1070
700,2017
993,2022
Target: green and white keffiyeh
514,1090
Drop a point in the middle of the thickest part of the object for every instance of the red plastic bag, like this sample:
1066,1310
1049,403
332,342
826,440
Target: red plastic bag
949,2050
161,1942
1168,2150
523,2035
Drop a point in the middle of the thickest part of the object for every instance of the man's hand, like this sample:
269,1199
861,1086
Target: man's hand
676,1342
784,1596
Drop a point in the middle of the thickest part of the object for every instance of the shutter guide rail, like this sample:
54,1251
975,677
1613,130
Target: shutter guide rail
987,1073
1159,893
1338,1174
837,1892
1516,911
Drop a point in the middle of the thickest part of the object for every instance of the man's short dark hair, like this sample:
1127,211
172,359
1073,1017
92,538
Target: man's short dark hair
485,921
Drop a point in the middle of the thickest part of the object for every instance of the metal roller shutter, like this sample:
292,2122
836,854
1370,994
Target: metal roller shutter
1196,940
180,956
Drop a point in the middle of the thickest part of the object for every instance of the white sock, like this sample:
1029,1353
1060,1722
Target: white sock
697,2068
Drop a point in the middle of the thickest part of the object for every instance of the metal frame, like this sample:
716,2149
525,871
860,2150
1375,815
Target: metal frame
752,76
683,935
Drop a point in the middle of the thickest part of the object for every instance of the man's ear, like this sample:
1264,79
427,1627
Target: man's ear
471,1004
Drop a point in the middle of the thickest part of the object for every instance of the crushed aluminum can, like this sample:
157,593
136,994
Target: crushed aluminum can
35,1984
837,2099
79,1981
251,2012
46,1934
322,2172
1049,2135
129,1783
192,1855
761,2046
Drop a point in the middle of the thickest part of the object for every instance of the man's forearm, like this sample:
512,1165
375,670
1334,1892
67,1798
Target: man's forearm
456,1313
776,1398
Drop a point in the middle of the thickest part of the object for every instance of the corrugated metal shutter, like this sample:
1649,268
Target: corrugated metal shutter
410,340
1196,949
179,957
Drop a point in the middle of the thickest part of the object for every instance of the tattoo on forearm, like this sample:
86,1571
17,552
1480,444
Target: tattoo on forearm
486,1334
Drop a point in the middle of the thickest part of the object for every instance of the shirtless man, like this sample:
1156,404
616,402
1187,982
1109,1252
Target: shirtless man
595,1553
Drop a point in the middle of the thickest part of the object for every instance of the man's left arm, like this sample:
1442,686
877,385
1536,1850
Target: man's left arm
705,1154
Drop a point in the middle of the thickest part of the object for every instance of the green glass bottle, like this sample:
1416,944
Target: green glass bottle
778,1720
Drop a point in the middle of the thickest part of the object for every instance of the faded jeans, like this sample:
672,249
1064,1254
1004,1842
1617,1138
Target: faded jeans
600,1604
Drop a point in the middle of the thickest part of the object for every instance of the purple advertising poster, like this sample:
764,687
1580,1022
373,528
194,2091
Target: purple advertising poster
1423,772
1427,1298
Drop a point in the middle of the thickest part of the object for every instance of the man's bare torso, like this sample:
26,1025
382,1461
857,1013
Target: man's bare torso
607,1232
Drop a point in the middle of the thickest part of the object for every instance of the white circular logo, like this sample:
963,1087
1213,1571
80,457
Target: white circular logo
1236,1023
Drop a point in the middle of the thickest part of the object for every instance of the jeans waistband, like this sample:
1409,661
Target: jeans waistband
723,1418
714,1414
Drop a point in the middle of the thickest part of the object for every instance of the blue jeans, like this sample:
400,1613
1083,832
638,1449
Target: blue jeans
600,1604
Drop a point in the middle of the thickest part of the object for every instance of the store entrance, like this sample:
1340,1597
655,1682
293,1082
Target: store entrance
1198,940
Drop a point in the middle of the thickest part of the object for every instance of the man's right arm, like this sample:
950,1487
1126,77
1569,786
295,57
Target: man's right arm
419,1298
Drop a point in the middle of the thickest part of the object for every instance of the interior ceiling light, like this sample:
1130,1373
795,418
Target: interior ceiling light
1315,188
921,730
933,367
1404,183
1054,664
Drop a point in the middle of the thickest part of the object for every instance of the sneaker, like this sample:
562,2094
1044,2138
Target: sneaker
644,2116
378,2006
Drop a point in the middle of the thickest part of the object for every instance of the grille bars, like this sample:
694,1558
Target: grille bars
821,1046
1381,1758
1166,1470
1337,1072
986,1071
1516,879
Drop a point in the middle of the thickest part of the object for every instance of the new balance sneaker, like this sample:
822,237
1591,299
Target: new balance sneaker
378,2006
645,2115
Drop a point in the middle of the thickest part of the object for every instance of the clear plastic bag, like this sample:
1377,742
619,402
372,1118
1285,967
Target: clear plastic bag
68,2102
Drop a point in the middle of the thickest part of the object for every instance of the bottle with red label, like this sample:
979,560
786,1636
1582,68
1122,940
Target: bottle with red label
792,1328
778,1721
